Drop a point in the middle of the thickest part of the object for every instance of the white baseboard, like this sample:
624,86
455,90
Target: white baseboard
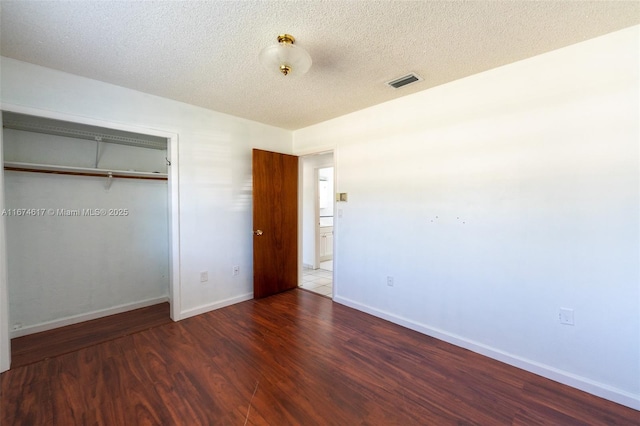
582,383
75,319
213,306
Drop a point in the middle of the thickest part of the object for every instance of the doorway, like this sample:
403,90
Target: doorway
317,223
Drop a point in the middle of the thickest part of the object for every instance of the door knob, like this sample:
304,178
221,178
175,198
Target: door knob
258,232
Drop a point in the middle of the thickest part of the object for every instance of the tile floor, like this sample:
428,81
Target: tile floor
319,280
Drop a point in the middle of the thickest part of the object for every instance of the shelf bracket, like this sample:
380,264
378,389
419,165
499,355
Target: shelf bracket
109,181
98,140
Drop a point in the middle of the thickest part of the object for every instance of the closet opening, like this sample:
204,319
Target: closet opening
89,229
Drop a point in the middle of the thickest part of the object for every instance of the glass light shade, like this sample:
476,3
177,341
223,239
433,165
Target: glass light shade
288,55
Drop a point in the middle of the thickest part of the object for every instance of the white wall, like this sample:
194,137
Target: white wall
214,171
309,164
60,267
496,200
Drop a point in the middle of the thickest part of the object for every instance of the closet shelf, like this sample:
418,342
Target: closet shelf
81,171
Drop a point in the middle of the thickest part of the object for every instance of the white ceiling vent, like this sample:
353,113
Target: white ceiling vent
404,80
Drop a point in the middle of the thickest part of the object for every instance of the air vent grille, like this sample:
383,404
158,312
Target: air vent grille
403,81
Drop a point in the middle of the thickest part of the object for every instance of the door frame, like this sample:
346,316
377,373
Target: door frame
316,217
173,206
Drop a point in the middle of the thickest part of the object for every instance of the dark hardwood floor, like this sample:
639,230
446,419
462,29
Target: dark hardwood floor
36,347
295,358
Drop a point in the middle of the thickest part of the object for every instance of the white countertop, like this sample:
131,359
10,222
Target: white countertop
326,221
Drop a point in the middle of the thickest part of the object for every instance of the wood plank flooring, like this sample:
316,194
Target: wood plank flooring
292,359
39,346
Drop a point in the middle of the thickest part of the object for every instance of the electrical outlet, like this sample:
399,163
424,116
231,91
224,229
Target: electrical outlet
390,281
17,326
204,277
566,316
236,270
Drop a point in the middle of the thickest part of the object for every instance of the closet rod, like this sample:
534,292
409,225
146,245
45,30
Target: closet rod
66,172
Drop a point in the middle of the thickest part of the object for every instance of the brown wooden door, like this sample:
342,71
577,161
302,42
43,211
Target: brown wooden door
275,223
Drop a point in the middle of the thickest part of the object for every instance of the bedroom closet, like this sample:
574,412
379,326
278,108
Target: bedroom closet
86,219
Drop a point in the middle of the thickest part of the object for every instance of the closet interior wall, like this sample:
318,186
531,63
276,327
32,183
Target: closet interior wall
81,246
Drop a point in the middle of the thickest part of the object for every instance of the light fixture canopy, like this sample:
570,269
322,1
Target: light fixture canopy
285,57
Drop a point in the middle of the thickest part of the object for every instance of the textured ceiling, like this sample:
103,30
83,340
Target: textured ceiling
206,52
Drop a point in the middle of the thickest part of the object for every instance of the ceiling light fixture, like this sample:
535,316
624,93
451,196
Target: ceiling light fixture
285,57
